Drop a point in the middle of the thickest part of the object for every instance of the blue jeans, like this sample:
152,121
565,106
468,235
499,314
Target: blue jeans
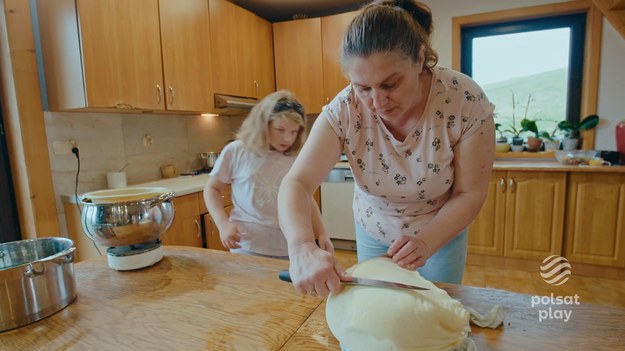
445,266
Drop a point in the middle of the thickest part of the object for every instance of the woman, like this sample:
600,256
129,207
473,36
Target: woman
420,141
254,165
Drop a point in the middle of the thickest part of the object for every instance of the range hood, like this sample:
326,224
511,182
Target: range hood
229,105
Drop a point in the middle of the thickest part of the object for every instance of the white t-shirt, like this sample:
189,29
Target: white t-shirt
401,185
255,182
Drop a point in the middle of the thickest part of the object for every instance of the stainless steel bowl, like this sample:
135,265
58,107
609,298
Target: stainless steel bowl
127,222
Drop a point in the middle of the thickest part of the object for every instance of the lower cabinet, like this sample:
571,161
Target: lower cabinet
595,226
185,229
522,217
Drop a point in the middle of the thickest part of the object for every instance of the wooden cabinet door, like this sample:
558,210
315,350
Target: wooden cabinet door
185,38
298,63
213,241
230,30
486,233
332,30
595,230
121,53
534,216
185,230
262,58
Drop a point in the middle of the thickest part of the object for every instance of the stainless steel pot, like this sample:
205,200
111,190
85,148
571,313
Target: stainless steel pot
125,223
208,159
36,280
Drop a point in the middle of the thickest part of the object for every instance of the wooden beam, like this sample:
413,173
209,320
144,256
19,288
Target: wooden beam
26,133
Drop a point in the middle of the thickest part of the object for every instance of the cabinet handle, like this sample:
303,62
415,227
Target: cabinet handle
199,229
159,90
171,93
327,100
511,184
256,88
502,185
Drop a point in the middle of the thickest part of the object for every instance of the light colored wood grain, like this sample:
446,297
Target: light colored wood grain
535,203
299,66
596,220
121,53
186,229
332,31
194,299
232,32
24,123
486,231
263,62
185,42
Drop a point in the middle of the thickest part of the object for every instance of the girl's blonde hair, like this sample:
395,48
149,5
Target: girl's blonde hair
283,104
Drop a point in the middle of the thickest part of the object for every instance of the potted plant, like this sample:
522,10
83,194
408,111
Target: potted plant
517,141
549,140
534,142
571,131
502,142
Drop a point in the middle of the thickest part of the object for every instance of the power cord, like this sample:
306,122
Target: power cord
76,152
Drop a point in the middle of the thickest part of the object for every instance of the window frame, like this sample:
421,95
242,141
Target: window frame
592,45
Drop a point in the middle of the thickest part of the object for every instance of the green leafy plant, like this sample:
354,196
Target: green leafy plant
517,130
502,138
571,131
528,125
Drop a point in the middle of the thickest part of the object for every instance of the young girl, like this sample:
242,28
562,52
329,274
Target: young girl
254,164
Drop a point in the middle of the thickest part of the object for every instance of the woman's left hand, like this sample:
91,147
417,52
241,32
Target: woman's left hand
409,252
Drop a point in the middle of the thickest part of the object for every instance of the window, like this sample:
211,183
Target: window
528,68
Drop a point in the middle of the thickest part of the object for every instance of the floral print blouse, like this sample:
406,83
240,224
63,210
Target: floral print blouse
401,185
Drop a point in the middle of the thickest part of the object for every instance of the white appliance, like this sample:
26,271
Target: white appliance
337,196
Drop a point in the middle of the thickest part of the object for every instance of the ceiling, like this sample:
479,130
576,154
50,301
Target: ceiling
282,10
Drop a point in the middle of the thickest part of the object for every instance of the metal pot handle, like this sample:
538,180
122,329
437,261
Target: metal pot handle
32,272
68,257
166,197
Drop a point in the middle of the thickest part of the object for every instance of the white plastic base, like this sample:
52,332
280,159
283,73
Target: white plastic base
126,263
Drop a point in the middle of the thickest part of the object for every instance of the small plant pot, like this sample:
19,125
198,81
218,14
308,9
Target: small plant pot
534,144
569,144
517,148
502,147
517,141
551,145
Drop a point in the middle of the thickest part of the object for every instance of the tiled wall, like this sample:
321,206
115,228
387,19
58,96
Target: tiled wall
108,141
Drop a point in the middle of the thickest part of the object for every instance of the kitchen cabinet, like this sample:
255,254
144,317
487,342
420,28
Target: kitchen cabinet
523,216
242,51
299,65
185,229
311,68
126,55
595,227
213,241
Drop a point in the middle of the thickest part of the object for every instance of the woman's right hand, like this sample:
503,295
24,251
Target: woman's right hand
315,271
230,235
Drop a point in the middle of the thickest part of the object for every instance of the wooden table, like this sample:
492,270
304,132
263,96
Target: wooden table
197,299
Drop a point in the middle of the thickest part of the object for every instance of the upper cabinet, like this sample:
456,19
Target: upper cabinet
311,68
101,55
242,51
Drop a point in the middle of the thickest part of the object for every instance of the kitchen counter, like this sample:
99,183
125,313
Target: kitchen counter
198,299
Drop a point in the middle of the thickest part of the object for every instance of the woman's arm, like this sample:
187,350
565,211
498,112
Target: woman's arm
473,163
322,236
311,268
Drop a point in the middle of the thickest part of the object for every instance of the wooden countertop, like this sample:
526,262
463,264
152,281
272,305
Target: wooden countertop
198,299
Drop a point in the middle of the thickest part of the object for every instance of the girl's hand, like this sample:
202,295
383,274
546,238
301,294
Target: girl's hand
409,252
230,235
315,271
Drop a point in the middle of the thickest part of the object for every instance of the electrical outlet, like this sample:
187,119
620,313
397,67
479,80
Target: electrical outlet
62,147
147,140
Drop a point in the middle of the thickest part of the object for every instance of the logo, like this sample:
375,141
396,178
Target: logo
555,270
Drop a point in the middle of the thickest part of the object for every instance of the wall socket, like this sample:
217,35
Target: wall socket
64,147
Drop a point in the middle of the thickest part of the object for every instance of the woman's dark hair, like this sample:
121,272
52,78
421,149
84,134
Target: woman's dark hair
384,26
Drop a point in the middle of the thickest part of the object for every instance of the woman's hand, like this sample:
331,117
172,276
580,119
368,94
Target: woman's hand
230,235
315,271
409,252
325,243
